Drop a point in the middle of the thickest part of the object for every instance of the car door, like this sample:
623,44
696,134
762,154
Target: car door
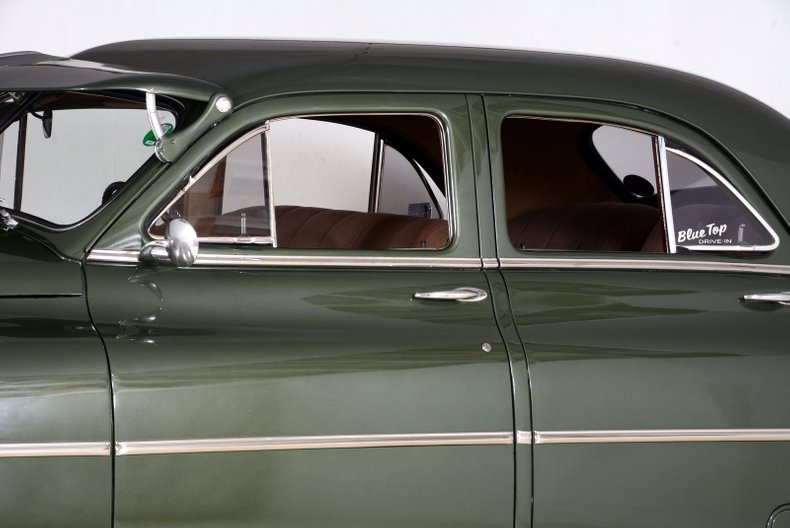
55,464
645,274
56,433
322,363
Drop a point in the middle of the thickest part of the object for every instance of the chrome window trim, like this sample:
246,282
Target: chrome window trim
294,443
642,265
55,449
663,174
660,436
207,167
271,240
257,259
738,196
447,170
665,196
268,184
375,174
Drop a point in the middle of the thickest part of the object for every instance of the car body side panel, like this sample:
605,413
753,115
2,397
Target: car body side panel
295,358
233,353
29,268
653,353
522,412
55,410
635,357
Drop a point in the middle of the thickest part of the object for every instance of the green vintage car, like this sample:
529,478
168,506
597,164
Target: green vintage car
250,283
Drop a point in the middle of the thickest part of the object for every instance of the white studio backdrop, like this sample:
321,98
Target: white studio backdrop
741,43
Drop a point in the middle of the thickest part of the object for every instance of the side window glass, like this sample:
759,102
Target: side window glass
8,153
76,150
707,213
570,187
405,188
594,187
227,201
328,182
321,164
629,155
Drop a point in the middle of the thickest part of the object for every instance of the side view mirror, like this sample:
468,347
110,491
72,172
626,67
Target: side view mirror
180,246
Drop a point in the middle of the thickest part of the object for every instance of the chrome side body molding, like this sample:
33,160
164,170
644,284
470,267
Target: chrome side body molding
661,436
295,443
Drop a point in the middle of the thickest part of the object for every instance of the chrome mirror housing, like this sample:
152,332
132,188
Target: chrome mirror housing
180,246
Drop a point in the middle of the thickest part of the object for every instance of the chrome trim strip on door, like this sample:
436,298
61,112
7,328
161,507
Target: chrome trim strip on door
293,443
55,449
661,436
643,264
289,443
215,259
121,256
524,437
490,263
131,257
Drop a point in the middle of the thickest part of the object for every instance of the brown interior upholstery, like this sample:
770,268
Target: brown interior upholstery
655,241
604,226
544,167
312,227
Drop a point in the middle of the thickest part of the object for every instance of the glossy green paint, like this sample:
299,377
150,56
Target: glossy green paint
294,351
522,400
28,267
35,72
780,518
391,487
519,372
301,352
649,350
54,387
645,351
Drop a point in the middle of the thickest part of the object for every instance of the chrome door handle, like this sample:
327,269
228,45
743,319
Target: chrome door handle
464,294
779,297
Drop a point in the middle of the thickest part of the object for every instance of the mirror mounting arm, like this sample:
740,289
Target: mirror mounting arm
169,147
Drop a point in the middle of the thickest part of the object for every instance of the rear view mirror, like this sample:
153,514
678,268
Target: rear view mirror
180,246
46,122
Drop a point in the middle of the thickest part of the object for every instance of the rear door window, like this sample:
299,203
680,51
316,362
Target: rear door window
577,185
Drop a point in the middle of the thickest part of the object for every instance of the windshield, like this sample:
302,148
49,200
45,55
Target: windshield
69,153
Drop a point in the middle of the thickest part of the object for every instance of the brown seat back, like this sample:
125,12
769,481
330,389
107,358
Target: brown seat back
600,226
312,227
